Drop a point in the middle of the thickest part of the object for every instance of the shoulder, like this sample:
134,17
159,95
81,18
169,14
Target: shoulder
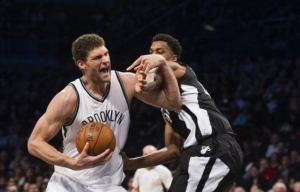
126,76
162,168
140,171
128,81
62,106
68,94
66,99
163,171
178,69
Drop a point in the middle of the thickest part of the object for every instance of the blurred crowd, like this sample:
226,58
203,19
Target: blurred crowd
244,54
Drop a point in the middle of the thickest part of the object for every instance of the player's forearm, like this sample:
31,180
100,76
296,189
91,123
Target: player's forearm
162,156
170,87
49,154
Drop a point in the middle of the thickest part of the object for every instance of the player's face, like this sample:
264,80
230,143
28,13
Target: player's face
162,48
97,66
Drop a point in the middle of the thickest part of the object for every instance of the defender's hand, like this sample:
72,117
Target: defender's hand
149,61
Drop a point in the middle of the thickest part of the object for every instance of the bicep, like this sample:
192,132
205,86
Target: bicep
172,137
46,128
59,112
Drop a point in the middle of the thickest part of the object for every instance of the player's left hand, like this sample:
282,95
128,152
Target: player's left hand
149,61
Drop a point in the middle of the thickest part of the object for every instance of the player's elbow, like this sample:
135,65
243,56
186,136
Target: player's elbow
175,103
32,146
175,151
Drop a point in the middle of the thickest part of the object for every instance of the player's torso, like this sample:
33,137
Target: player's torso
199,117
112,110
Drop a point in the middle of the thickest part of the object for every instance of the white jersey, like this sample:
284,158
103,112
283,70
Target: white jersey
113,110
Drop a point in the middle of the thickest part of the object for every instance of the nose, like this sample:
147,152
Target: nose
105,59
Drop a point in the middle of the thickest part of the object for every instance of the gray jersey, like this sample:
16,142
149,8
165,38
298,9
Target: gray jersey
113,110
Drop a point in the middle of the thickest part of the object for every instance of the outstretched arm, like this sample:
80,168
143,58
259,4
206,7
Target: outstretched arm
168,154
165,92
60,111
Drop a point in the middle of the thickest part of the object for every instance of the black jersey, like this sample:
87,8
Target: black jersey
199,118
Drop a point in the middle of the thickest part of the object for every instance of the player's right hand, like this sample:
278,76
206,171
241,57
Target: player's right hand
140,81
85,161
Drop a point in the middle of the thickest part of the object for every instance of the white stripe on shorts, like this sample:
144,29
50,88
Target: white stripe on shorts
196,169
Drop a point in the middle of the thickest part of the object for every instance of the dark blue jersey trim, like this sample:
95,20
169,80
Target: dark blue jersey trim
92,96
77,105
122,87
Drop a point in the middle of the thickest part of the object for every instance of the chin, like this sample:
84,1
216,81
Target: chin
105,80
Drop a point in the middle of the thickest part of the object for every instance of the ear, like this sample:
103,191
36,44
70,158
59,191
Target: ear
81,64
174,58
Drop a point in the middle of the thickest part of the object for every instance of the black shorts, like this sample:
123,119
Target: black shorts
212,166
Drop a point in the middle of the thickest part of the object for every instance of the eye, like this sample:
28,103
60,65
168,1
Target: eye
98,57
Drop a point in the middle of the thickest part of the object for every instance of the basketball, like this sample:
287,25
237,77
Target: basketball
100,137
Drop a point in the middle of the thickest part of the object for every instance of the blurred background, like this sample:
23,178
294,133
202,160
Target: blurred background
246,53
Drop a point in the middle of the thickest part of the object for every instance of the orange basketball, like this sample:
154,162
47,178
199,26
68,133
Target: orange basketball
100,137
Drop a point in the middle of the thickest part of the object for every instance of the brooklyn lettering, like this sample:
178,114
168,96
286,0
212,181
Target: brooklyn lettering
104,116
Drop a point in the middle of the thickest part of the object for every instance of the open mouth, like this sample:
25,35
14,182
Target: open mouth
104,70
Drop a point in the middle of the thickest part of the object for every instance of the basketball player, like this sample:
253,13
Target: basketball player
210,159
100,95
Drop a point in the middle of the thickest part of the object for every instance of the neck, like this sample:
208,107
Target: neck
98,89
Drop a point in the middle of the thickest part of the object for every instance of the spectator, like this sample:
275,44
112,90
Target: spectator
255,179
279,187
266,171
273,146
129,184
161,176
11,186
296,187
295,158
239,189
2,183
33,188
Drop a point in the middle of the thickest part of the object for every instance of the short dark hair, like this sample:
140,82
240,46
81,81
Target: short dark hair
85,43
171,41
